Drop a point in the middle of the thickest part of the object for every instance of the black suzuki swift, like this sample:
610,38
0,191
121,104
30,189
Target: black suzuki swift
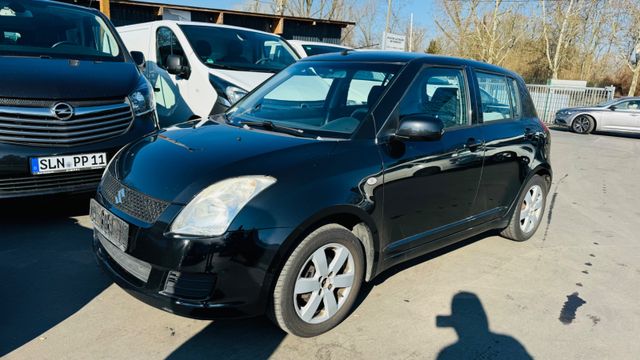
334,170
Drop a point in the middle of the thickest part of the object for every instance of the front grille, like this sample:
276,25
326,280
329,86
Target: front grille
131,202
50,183
30,122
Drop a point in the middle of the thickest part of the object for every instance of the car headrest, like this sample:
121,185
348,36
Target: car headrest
444,94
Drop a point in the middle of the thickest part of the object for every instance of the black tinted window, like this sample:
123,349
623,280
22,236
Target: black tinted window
49,29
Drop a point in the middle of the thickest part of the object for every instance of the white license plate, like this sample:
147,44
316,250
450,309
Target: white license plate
58,164
110,226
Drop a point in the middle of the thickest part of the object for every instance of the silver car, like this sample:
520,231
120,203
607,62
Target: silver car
618,115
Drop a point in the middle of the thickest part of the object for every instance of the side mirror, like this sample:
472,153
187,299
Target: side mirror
612,108
175,66
420,127
138,58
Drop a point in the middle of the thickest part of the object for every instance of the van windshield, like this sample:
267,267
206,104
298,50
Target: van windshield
47,29
235,49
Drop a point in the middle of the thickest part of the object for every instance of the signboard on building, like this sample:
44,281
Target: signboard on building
393,42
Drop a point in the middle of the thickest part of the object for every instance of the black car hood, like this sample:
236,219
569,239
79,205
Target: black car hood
63,79
176,164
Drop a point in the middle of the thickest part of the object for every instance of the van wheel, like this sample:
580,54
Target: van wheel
529,211
319,283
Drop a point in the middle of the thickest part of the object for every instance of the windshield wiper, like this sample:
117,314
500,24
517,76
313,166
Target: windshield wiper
271,126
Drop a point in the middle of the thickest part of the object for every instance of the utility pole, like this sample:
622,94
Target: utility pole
386,27
411,34
105,8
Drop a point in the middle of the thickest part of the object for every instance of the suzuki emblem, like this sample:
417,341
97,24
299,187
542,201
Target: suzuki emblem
120,196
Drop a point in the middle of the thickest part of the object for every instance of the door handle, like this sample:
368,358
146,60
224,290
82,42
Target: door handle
473,144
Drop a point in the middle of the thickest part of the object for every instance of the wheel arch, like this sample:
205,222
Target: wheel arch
351,217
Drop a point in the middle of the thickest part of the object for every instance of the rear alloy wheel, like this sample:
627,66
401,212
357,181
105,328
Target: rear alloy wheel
583,124
529,211
319,283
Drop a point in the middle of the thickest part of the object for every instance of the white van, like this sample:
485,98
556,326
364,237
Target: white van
198,69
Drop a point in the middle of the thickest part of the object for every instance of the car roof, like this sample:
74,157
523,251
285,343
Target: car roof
406,57
195,23
303,42
67,5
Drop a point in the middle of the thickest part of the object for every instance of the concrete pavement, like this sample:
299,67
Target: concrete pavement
570,292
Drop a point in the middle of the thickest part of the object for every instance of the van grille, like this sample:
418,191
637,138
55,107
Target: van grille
131,202
30,122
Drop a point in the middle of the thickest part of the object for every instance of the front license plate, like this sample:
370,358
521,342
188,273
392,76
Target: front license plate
58,164
110,226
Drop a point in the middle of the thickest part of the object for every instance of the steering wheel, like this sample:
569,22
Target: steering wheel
263,61
63,42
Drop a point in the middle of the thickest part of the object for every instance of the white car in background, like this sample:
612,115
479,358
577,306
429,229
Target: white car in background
198,69
310,48
617,115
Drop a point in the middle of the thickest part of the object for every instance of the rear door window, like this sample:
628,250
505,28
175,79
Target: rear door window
499,98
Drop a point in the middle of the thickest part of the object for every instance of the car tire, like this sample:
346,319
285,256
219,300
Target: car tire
582,124
529,211
302,298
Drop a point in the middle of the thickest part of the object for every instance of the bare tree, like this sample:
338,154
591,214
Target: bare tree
560,24
630,44
457,25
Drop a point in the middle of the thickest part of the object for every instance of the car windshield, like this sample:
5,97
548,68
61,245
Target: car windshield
47,29
607,103
235,49
320,98
313,49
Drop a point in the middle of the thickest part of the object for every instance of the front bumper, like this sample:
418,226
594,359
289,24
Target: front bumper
563,120
17,181
224,277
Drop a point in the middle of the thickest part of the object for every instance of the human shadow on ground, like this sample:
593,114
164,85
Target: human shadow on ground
475,339
47,265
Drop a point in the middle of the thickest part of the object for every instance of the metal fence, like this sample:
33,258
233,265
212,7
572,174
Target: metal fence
548,99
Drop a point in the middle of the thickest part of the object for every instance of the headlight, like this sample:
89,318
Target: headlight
212,211
141,98
228,94
234,94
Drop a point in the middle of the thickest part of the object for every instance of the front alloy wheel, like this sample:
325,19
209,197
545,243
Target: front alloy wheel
319,282
582,125
324,283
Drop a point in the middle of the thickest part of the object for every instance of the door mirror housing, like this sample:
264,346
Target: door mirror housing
420,127
138,58
612,108
175,66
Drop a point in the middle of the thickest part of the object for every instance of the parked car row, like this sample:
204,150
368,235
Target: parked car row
302,188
